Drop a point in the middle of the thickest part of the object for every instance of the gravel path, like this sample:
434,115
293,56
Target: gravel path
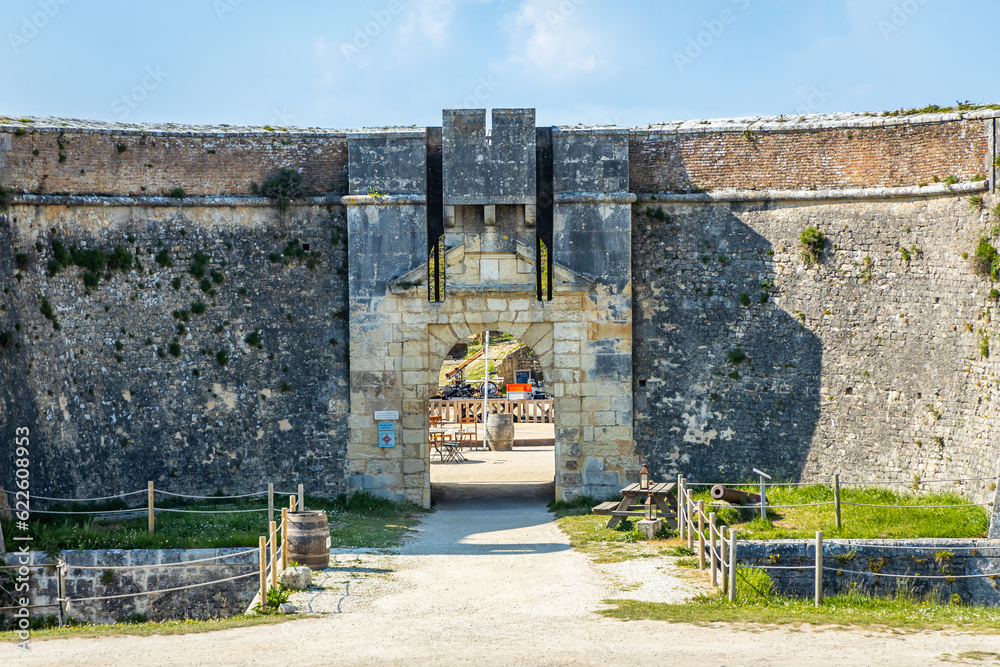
495,583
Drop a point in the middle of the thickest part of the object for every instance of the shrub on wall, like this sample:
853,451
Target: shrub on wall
285,186
986,261
813,242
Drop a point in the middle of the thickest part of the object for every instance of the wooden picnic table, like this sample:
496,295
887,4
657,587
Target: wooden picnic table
634,500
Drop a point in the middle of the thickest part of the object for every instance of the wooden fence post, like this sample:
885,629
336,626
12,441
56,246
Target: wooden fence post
270,502
150,510
61,566
724,562
302,498
688,511
291,503
701,534
836,497
713,563
819,568
680,506
262,553
284,537
732,564
274,554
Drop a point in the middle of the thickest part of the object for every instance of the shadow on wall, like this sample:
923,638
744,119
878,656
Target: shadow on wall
17,401
725,380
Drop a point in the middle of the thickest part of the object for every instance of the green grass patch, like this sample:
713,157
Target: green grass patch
756,604
857,522
149,628
361,520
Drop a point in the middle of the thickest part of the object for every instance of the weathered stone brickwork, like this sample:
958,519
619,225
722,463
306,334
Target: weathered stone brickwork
211,601
685,328
939,567
131,387
51,159
868,363
790,155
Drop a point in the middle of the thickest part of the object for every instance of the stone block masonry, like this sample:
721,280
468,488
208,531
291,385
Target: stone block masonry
216,362
685,329
870,363
917,560
132,576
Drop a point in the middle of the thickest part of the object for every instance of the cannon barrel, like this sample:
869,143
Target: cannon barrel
719,492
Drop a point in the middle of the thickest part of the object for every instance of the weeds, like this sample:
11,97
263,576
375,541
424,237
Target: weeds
813,242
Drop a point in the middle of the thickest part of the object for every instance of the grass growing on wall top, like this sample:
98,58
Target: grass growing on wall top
360,520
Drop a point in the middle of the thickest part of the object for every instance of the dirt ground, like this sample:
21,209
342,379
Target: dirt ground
495,582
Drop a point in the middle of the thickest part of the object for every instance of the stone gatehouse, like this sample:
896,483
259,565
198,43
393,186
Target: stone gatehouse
497,198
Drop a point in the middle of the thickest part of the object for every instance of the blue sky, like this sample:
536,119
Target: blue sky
399,62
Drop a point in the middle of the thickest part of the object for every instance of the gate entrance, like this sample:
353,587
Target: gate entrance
452,232
492,424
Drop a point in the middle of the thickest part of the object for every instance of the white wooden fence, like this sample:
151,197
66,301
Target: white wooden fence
524,411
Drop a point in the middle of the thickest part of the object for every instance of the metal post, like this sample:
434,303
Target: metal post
270,502
819,568
61,567
836,497
763,497
688,511
262,555
486,384
701,534
302,498
713,563
274,553
150,510
732,564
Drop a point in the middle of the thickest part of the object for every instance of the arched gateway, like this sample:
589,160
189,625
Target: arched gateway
526,230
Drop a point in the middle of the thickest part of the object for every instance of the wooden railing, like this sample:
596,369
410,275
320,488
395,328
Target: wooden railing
721,549
524,411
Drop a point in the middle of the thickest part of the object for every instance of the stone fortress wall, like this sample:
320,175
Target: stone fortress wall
869,363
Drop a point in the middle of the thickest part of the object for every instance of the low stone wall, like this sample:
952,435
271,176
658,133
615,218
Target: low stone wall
955,558
211,601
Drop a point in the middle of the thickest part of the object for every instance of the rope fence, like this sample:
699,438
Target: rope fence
161,590
152,510
271,559
718,552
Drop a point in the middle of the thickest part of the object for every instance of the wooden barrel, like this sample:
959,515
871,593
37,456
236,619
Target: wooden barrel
309,539
500,432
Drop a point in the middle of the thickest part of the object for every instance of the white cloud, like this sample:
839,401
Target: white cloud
548,36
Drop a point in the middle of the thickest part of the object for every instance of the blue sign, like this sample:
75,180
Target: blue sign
386,434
